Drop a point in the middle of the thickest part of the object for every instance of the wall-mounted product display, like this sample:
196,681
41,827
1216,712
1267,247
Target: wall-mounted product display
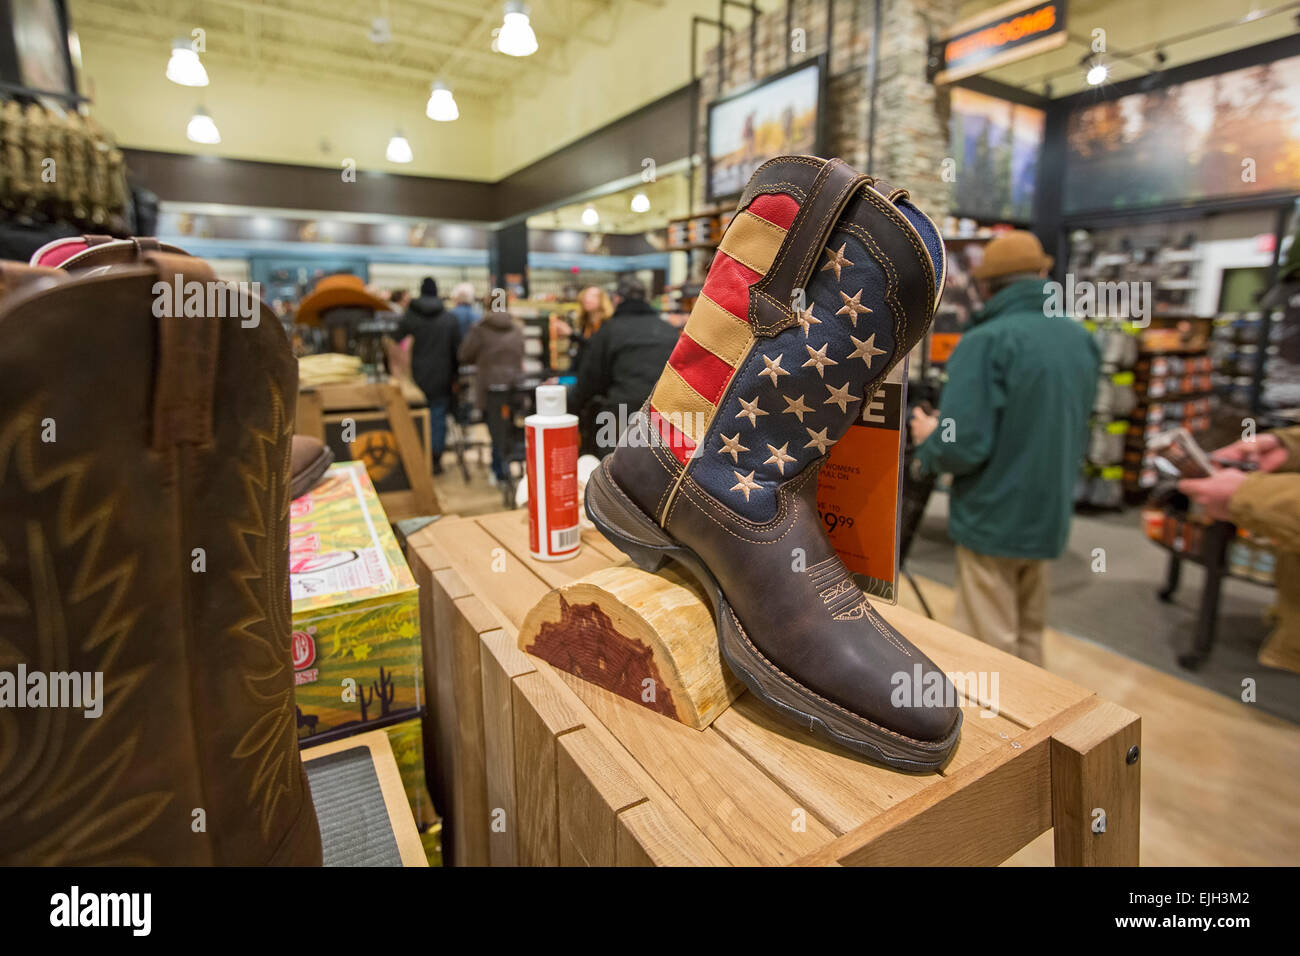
1234,134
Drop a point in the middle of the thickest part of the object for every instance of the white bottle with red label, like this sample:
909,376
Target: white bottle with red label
554,533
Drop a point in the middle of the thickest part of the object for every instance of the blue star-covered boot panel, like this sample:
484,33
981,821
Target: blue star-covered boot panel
798,392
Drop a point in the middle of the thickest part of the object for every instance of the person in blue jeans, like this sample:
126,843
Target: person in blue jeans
434,365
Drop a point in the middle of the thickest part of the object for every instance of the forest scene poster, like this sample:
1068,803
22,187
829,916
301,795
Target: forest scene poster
1229,135
995,146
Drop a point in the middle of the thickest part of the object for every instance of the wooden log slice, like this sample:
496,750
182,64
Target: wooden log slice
647,637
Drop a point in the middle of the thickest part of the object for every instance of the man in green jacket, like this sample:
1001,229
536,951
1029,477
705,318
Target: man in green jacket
1012,429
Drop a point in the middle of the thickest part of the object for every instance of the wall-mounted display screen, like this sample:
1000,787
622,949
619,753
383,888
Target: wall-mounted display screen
1229,135
779,116
995,148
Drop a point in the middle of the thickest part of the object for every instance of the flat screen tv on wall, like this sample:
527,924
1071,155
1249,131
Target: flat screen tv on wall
1230,135
995,148
34,55
778,116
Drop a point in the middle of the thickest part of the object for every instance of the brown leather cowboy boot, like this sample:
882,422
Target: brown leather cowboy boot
144,508
719,470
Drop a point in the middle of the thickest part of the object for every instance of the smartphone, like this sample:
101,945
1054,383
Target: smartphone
1178,455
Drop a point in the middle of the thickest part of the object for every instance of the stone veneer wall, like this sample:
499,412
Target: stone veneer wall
911,114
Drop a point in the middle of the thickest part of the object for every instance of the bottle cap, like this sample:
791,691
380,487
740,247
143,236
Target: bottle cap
552,399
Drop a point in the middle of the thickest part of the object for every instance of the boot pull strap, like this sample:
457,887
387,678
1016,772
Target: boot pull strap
186,370
770,296
106,251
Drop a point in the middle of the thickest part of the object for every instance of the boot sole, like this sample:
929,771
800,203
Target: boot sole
649,546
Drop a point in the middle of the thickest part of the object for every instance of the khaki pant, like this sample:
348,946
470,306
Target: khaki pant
1002,601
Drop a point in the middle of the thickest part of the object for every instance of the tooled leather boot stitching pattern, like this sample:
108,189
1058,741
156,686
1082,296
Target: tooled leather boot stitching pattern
128,441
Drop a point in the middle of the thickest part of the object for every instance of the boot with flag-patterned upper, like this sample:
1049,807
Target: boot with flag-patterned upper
824,280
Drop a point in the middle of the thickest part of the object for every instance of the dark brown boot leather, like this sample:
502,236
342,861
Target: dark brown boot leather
144,506
308,462
719,470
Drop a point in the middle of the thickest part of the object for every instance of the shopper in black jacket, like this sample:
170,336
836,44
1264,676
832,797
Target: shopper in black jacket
433,359
621,364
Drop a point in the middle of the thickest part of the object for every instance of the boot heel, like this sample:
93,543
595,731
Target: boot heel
625,525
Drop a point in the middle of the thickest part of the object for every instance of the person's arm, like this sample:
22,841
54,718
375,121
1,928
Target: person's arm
405,326
1289,438
972,398
593,372
1269,505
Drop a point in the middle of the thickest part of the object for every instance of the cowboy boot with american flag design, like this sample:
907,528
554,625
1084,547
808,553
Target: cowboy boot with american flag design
824,280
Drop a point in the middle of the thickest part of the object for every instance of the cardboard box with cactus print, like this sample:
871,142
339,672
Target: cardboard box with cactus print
356,621
407,740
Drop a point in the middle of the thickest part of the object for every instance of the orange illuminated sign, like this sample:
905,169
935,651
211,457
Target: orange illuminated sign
1007,33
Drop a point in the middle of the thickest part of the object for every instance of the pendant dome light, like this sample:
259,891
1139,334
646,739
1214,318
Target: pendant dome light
399,150
442,105
201,129
185,68
515,37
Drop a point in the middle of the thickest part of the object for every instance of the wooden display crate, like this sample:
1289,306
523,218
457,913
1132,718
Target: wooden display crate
534,766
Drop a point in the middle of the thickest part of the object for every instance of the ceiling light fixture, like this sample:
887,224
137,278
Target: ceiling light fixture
640,203
442,105
1097,73
590,217
185,68
515,36
399,150
201,129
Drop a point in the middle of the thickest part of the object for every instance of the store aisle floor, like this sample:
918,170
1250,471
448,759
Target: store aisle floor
1219,785
1119,608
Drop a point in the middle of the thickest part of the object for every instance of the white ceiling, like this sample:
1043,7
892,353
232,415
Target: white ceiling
448,39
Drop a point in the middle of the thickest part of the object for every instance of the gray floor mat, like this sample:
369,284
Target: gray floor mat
354,825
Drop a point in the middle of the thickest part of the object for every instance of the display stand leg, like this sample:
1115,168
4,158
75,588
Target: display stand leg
925,606
1096,788
1171,580
1216,546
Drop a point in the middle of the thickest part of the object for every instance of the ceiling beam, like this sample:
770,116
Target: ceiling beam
285,55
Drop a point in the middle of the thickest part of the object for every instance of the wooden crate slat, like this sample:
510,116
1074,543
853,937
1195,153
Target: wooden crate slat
510,528
667,836
978,816
500,663
830,783
510,591
741,810
650,834
540,716
1026,694
982,732
458,732
596,790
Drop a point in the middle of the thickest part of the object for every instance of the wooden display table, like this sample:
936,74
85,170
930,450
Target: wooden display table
534,766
